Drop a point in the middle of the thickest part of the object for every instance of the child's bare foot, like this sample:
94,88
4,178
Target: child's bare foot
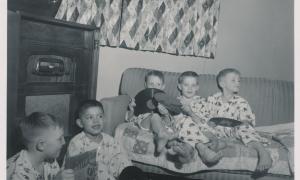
160,143
208,156
184,152
264,158
170,146
264,161
162,140
216,145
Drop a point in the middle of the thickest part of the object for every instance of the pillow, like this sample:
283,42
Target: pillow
114,112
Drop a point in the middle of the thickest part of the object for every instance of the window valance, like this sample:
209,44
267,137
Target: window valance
180,27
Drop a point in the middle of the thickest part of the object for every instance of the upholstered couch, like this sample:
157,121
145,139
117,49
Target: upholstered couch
271,100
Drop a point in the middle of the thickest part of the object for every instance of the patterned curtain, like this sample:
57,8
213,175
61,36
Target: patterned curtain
105,14
181,27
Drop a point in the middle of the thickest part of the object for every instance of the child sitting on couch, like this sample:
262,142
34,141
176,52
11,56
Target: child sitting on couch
155,122
112,160
229,105
43,137
192,125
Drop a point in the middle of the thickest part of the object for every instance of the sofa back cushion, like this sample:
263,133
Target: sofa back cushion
272,101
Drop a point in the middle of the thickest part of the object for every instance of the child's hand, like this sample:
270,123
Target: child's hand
211,124
245,124
187,109
66,174
131,104
162,110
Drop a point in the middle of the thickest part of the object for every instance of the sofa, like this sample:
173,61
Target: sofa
271,100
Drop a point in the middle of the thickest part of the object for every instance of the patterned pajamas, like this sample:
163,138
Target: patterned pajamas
236,108
189,131
20,168
111,158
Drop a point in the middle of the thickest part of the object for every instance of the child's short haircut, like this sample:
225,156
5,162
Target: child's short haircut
223,73
32,125
187,74
87,104
156,73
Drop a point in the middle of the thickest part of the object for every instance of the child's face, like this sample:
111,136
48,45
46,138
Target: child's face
154,82
92,121
230,83
53,142
188,87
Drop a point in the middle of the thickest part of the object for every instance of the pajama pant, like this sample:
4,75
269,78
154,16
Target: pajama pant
246,133
192,133
189,131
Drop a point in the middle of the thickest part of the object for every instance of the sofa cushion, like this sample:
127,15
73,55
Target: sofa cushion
114,112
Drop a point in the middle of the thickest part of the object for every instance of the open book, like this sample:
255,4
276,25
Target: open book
227,122
84,165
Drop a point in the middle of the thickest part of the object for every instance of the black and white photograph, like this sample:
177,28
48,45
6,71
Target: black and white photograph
149,90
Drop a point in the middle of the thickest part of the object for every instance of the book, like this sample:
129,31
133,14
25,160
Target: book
227,122
84,165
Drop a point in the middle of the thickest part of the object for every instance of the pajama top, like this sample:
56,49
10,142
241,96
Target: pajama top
235,108
110,157
20,168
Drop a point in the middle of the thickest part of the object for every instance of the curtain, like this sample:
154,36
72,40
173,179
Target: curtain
180,27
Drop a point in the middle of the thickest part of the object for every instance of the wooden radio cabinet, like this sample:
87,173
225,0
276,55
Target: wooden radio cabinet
52,66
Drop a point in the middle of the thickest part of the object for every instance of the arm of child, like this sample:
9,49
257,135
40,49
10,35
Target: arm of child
197,119
188,110
162,110
246,114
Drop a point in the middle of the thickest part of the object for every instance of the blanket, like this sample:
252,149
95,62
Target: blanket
140,147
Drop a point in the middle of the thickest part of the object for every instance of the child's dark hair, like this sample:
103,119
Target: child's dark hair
36,122
223,73
155,73
187,74
87,104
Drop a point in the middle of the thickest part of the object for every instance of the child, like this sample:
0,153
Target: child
153,121
43,137
112,161
229,105
192,125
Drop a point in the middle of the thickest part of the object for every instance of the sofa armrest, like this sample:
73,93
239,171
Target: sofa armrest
114,112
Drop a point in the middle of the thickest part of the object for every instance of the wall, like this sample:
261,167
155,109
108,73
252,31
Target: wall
254,36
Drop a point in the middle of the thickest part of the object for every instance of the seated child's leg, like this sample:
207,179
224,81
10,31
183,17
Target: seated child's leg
208,156
251,138
217,144
162,133
190,132
264,158
184,151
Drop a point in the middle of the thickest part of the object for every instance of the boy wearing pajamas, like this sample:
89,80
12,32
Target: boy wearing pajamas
228,104
192,124
112,160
